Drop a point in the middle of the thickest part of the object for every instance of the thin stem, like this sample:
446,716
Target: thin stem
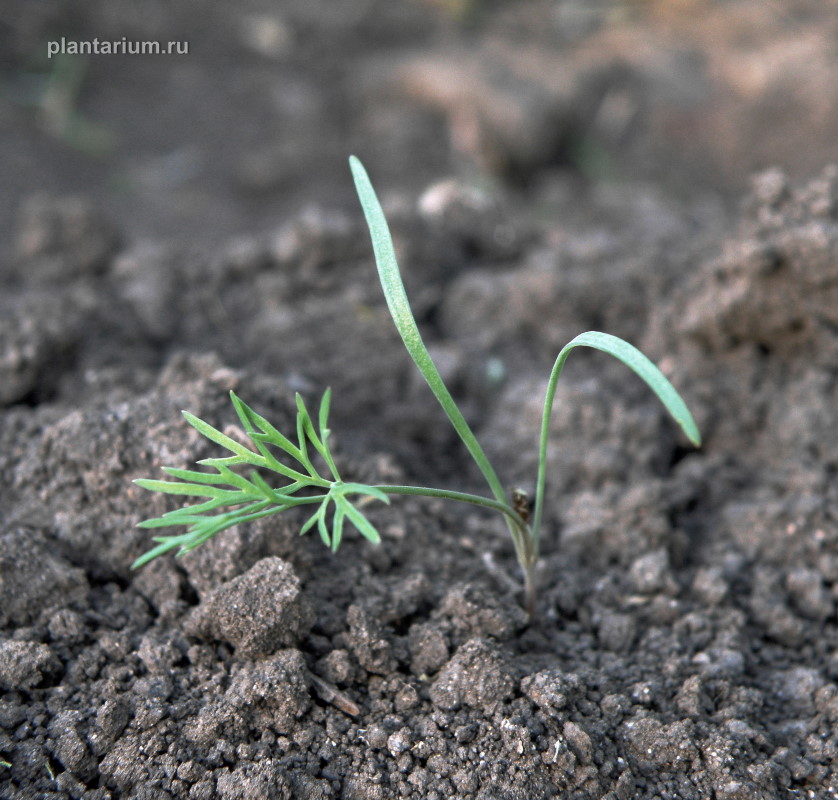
529,590
542,445
522,536
463,497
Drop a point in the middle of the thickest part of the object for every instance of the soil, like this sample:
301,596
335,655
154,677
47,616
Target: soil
181,226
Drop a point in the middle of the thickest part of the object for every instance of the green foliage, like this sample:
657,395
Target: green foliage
232,498
248,498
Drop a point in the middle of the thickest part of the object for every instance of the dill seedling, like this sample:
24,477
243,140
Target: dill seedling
229,498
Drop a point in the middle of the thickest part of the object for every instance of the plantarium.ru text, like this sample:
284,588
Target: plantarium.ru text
229,498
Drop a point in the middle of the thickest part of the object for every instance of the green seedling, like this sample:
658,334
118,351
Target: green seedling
308,467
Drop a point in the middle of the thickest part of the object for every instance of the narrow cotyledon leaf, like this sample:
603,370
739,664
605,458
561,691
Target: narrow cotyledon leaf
641,365
397,302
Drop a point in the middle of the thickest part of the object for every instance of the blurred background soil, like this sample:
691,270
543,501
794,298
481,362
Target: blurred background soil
257,120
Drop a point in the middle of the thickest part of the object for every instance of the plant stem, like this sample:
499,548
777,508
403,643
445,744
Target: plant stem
529,590
525,546
462,497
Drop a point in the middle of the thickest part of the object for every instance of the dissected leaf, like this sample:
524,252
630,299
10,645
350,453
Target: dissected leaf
366,528
363,488
321,524
266,432
269,494
309,523
323,416
194,475
189,489
170,543
225,441
337,522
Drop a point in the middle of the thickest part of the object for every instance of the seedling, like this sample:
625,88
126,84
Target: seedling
308,467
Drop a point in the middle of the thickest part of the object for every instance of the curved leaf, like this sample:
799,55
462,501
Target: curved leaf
636,361
642,366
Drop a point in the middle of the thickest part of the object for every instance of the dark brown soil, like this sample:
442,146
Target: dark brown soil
181,226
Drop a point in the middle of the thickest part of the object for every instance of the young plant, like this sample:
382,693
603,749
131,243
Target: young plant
308,467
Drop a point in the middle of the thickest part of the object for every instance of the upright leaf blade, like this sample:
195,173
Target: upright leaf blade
400,311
